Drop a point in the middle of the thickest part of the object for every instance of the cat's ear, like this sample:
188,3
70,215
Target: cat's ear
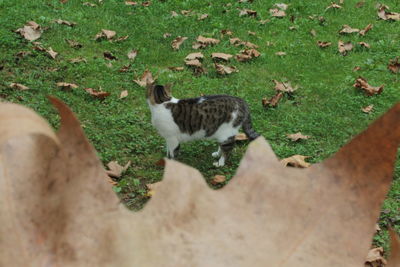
167,89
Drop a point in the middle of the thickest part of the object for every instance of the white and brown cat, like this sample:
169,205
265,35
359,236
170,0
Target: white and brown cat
217,117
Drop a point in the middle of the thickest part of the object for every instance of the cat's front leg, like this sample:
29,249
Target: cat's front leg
172,147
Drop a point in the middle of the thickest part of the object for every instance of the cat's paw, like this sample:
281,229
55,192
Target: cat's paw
215,154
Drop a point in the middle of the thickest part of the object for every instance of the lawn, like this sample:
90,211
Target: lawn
325,106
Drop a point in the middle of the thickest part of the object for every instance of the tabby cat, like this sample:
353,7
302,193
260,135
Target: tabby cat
216,117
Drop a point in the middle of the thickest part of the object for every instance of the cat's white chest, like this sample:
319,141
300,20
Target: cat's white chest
162,120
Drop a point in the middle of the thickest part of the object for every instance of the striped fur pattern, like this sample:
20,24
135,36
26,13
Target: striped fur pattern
217,117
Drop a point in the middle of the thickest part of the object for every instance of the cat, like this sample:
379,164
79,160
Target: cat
217,117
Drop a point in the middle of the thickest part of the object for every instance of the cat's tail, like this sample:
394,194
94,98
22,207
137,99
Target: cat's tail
248,129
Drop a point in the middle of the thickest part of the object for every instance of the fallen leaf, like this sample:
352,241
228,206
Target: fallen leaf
120,39
226,32
333,5
66,86
77,60
275,12
264,21
193,63
146,3
251,33
160,163
263,202
344,47
166,35
247,54
273,101
186,12
108,55
394,65
375,258
238,42
297,136
89,4
123,94
360,4
280,53
362,84
366,29
74,44
115,170
53,54
132,54
247,12
367,109
108,34
284,87
130,3
356,68
218,179
125,68
147,78
176,68
19,86
323,44
364,44
346,29
97,93
281,6
192,56
222,56
297,161
203,17
176,43
202,42
224,70
22,54
174,14
385,15
241,137
313,33
65,22
31,31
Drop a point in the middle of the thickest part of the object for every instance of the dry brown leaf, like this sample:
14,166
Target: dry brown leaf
226,32
192,56
224,70
251,33
364,44
367,109
146,3
120,39
132,54
218,179
66,86
284,87
237,42
193,63
344,48
281,6
275,12
247,12
115,170
323,44
385,15
18,86
394,65
360,4
222,56
203,42
123,94
333,5
174,14
375,258
65,22
203,17
362,84
313,33
185,216
356,68
366,29
273,101
147,78
297,161
177,42
280,53
186,12
125,68
130,3
31,31
97,93
22,54
241,137
74,44
176,68
89,4
53,54
108,34
297,136
166,35
346,29
264,21
108,55
247,54
77,60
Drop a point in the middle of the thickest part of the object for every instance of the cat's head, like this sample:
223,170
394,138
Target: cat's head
158,94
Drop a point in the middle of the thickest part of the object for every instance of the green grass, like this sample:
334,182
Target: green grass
326,106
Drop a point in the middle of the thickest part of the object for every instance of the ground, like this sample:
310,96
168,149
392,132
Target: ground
325,106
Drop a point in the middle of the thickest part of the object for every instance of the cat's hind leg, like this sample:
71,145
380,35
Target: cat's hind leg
172,147
217,154
225,148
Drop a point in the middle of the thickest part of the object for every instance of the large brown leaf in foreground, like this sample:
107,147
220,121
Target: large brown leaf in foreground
58,210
